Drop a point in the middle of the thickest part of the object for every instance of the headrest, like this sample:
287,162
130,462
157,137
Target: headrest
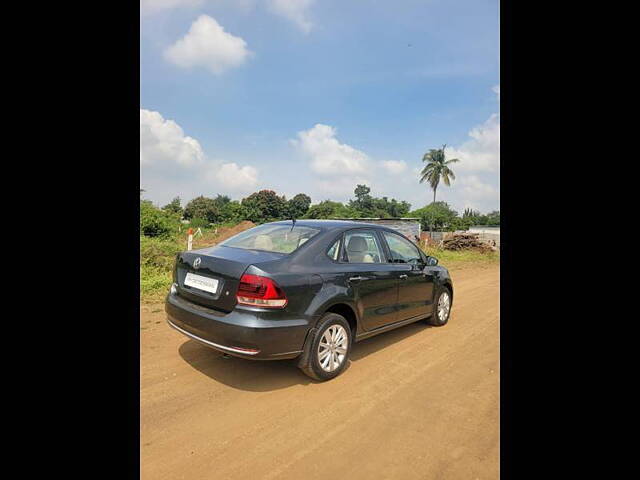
357,244
263,242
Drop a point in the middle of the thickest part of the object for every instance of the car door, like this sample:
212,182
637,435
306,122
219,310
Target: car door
415,290
373,280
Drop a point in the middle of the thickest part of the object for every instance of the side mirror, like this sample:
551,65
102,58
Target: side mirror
432,261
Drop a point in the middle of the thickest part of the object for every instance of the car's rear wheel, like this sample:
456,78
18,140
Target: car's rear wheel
329,350
442,309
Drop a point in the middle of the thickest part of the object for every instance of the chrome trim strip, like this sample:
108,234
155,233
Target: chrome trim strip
211,344
285,353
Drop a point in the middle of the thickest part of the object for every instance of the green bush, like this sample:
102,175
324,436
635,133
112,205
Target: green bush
154,284
159,252
157,257
198,223
437,216
155,222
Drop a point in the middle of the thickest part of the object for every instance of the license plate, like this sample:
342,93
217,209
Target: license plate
201,283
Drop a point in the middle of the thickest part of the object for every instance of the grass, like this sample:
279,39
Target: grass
154,284
156,263
463,258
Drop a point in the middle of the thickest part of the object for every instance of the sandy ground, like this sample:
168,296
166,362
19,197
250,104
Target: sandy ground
415,403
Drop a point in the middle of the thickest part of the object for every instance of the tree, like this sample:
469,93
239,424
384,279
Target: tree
325,209
436,169
298,205
437,216
204,208
174,206
493,218
265,206
363,202
221,200
328,209
367,206
385,208
470,213
232,211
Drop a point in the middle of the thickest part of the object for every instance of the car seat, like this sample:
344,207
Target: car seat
263,242
356,250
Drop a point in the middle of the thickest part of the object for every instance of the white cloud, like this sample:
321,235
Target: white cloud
152,6
163,142
482,151
474,188
234,177
327,155
208,45
172,163
476,192
394,167
339,189
294,10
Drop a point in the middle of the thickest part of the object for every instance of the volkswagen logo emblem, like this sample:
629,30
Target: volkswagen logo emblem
197,262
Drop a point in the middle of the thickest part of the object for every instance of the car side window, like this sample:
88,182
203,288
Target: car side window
402,250
334,251
362,247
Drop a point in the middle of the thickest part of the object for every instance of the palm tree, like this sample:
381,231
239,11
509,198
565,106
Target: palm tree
436,169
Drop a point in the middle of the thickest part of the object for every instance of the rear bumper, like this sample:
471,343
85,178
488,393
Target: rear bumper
247,333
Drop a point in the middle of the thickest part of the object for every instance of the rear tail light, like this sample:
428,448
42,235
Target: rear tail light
259,291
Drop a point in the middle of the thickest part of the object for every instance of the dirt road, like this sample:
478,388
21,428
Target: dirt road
415,403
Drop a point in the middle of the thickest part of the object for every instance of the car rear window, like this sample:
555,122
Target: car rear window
272,238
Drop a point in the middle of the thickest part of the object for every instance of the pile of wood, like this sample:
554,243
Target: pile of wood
465,241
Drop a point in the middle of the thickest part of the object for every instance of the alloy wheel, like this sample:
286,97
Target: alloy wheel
332,349
444,304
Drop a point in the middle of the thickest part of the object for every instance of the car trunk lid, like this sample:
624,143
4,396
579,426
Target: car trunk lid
210,276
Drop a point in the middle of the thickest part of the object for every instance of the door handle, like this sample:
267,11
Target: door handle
357,279
403,276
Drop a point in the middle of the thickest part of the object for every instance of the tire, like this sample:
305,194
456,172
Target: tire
334,337
441,316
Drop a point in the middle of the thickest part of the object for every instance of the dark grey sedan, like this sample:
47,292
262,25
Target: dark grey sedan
307,289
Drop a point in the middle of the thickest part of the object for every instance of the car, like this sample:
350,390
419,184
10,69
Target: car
305,289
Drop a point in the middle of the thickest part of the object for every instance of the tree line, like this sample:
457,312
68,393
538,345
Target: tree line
268,206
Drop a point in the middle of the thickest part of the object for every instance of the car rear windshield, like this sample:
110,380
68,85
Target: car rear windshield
272,238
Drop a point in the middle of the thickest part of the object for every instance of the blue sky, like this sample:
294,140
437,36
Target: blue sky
317,96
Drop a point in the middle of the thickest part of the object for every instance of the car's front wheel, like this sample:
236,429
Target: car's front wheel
329,351
442,309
